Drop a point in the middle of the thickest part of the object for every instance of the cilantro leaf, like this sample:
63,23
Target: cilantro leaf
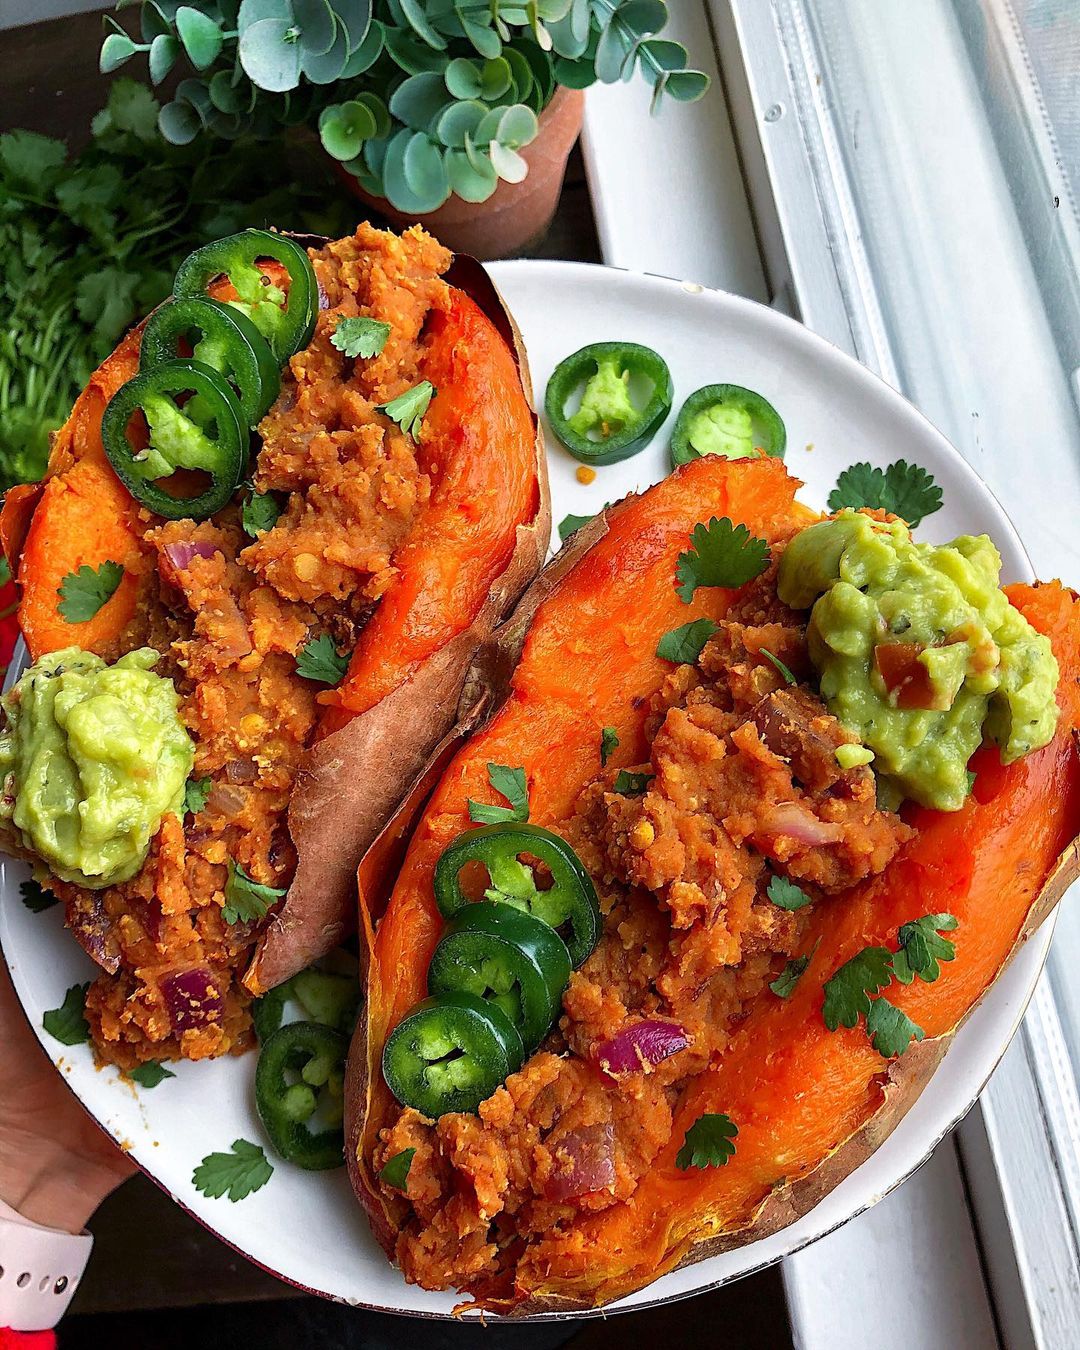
247,900
28,157
632,784
361,336
786,894
922,948
784,984
890,1030
609,743
903,489
847,992
395,1172
260,513
67,1024
320,660
686,643
707,1142
508,783
236,1174
721,554
35,897
775,660
82,593
196,792
571,524
408,409
268,1011
150,1074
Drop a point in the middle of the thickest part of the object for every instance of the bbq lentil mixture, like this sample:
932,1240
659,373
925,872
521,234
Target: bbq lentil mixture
229,615
745,787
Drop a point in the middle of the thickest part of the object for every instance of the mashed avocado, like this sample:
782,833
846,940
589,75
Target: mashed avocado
92,757
919,651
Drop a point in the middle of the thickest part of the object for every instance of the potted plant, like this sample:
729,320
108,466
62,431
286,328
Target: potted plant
458,113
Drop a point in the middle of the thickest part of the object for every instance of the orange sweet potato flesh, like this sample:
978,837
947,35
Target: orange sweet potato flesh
810,1104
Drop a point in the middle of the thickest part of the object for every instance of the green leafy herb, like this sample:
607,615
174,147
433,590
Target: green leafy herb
708,1142
922,948
396,1170
775,660
847,993
783,892
268,1011
320,660
236,1174
260,513
632,784
67,1024
686,643
609,743
721,554
784,984
571,524
890,1030
196,793
150,1074
509,783
361,336
408,409
35,897
903,489
82,593
246,900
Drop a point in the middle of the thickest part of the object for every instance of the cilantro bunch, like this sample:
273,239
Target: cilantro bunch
90,243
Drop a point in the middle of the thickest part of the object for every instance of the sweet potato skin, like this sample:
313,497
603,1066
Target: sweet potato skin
827,1099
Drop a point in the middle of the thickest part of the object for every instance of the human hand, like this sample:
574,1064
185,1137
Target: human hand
56,1164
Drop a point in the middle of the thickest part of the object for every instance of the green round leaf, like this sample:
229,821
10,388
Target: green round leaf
419,100
254,11
344,127
686,85
486,41
164,51
497,79
327,67
270,54
224,95
543,70
611,53
197,94
479,159
318,28
152,21
521,72
488,129
643,17
463,78
115,50
379,111
517,126
507,163
410,54
200,35
458,121
575,74
178,123
470,183
658,54
366,54
355,15
414,174
414,13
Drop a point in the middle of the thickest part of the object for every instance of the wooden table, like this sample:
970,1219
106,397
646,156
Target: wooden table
150,1255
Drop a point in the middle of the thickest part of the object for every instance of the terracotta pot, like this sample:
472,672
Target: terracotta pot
516,215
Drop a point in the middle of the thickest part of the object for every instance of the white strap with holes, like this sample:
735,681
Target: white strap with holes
40,1269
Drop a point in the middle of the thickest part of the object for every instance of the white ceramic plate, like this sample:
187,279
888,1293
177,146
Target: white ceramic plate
306,1227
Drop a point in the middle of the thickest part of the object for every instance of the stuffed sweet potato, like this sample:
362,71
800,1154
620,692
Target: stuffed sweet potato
316,627
787,939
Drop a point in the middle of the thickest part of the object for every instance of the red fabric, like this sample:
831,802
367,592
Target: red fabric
26,1340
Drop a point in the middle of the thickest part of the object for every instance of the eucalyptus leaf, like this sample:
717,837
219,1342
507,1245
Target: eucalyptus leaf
326,68
344,127
410,54
152,21
507,163
224,94
642,17
611,53
164,51
687,86
197,94
496,79
466,180
575,74
317,24
271,55
542,67
567,40
657,55
254,11
414,174
201,36
457,122
115,50
356,17
379,111
178,123
419,100
365,55
488,129
463,78
517,126
414,13
521,72
486,41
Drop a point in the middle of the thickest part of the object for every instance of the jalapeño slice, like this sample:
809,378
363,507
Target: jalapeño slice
301,1069
626,393
727,420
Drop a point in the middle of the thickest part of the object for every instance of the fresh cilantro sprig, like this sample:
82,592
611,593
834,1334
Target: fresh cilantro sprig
903,489
83,592
890,1030
629,784
685,644
196,795
237,1174
247,900
67,1024
360,336
720,554
609,743
922,948
150,1074
785,894
571,524
395,1172
784,984
35,897
408,409
321,661
509,783
708,1142
848,990
260,513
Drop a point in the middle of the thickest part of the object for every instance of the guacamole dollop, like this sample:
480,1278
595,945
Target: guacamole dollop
92,757
919,651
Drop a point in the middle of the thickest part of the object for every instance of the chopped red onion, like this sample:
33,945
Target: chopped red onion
795,821
241,771
583,1161
181,553
192,998
92,928
639,1047
226,800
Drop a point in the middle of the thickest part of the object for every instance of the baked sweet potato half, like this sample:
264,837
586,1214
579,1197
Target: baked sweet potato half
783,960
317,628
